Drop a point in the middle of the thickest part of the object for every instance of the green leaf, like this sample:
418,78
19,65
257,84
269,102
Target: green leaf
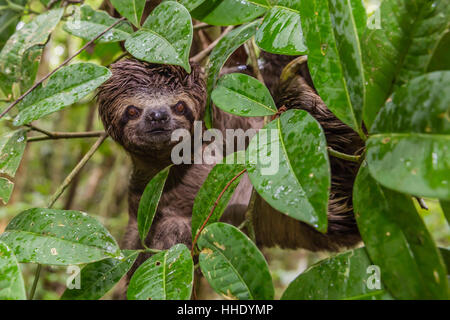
281,32
445,253
58,237
344,276
130,9
11,281
8,20
416,118
216,181
191,4
87,23
219,55
34,33
243,95
402,48
167,275
229,12
445,205
289,167
334,55
149,202
6,189
440,59
233,265
12,147
99,277
165,37
67,86
398,241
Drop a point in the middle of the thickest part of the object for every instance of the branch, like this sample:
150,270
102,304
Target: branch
213,208
76,170
59,67
202,25
67,135
343,156
254,60
202,54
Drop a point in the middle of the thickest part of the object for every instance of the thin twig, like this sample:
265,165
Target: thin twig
202,54
213,208
343,156
67,135
59,67
202,25
75,170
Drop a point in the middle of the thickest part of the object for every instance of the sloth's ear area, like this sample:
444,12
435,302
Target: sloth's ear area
196,87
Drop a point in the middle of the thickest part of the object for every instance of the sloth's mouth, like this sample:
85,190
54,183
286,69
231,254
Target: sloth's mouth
158,130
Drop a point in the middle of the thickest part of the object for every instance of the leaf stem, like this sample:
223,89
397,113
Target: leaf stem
343,156
254,60
59,67
202,54
76,170
35,281
213,208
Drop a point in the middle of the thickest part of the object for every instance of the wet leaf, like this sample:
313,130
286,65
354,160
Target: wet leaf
12,147
6,189
67,86
8,20
99,277
130,9
334,55
11,281
402,48
416,118
35,32
229,12
167,275
243,95
233,265
398,241
289,167
344,276
220,54
149,202
87,23
191,4
58,237
281,31
216,181
165,37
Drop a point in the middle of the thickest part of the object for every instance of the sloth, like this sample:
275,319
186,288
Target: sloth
142,104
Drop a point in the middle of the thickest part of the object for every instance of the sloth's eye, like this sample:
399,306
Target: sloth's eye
179,107
132,112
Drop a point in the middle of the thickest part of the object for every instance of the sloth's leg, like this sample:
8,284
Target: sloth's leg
168,230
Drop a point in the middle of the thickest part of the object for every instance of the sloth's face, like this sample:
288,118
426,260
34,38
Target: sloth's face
148,120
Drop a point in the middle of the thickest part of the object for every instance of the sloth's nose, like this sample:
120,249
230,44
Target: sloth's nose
159,115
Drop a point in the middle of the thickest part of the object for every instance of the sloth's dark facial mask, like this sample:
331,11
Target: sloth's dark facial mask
148,120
